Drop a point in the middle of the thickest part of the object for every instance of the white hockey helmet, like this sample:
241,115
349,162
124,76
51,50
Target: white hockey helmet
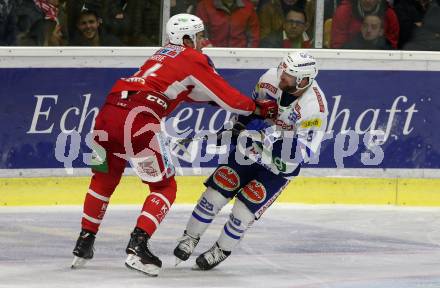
183,24
300,65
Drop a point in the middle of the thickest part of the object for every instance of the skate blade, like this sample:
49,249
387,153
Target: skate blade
78,262
134,262
196,268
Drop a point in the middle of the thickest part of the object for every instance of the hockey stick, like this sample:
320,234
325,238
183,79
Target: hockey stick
184,145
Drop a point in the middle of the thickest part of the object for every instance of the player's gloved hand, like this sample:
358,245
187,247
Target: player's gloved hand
246,123
266,108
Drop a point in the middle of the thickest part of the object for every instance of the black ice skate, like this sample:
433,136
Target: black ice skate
185,247
139,256
211,258
83,250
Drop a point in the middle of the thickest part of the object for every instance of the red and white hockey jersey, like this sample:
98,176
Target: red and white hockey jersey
174,74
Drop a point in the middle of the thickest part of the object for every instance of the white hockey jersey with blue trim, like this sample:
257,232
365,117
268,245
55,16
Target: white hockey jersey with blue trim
305,117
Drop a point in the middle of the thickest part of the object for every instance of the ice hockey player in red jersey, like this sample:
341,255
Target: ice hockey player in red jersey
127,128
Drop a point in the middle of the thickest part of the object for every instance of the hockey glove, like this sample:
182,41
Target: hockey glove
266,108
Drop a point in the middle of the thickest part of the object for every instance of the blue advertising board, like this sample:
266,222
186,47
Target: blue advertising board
37,104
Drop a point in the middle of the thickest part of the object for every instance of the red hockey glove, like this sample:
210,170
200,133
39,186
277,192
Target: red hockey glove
266,108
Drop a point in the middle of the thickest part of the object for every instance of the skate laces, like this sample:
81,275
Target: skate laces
187,243
215,255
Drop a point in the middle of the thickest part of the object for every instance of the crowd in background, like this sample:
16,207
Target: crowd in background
348,24
80,22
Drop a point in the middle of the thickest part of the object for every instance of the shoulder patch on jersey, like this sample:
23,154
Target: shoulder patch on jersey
319,97
315,122
269,87
171,50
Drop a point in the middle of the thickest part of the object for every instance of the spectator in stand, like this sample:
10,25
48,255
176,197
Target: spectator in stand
294,34
230,23
410,14
427,37
330,8
8,23
371,36
38,24
73,10
272,13
183,6
90,34
123,19
61,32
347,20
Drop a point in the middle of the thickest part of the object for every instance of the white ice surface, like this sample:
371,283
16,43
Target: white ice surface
291,246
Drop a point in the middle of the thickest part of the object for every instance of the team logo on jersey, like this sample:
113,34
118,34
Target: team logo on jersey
149,168
226,178
254,191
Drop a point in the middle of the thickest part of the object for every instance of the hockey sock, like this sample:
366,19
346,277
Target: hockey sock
239,221
157,205
208,206
97,199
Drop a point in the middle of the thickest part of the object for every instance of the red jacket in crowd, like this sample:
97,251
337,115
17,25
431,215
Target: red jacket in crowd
238,27
347,23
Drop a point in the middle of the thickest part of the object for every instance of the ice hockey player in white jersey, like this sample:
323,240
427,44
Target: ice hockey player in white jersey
298,129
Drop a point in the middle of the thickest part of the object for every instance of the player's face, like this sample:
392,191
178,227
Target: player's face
371,28
200,41
287,83
88,26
